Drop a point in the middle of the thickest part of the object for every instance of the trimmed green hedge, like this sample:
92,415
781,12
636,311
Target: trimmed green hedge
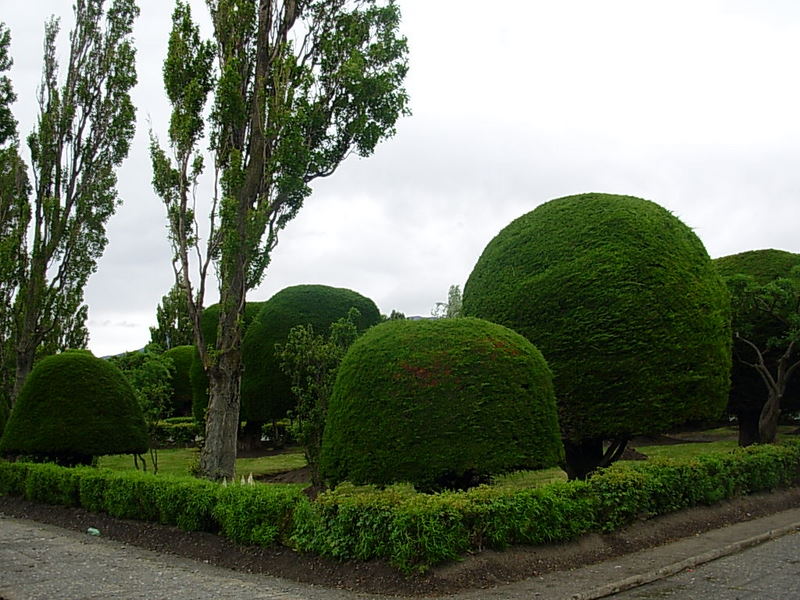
625,305
181,400
413,531
439,404
72,407
266,389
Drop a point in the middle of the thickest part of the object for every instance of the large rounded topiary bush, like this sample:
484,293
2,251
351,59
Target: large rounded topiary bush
748,392
72,407
266,389
439,403
623,301
209,323
181,398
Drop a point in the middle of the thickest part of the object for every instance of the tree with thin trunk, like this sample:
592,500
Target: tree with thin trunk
766,322
299,85
83,131
15,214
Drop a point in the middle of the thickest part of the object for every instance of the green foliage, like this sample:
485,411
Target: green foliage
209,322
414,531
150,374
450,309
625,304
180,401
765,297
83,131
311,362
75,406
266,389
15,215
439,403
297,88
255,514
174,325
175,434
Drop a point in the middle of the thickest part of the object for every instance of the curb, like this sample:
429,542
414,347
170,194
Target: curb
688,563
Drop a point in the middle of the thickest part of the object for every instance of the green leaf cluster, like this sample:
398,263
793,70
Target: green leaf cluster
765,296
75,405
180,400
311,362
437,403
266,389
626,306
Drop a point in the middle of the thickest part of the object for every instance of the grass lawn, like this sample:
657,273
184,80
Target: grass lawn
178,461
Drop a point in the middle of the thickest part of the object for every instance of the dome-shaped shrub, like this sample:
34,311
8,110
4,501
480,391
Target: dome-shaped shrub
748,392
266,390
72,407
623,301
432,402
209,322
181,400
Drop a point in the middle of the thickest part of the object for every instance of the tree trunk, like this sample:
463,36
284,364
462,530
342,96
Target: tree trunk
218,457
768,420
24,365
581,458
748,428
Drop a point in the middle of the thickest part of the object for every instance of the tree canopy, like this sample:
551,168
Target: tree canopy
297,86
623,301
85,124
765,292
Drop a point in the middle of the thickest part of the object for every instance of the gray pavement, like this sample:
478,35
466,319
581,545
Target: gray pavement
40,562
770,571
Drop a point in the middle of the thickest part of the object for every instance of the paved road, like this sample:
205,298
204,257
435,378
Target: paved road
39,562
43,562
770,571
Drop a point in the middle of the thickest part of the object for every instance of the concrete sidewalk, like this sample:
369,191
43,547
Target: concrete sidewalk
40,562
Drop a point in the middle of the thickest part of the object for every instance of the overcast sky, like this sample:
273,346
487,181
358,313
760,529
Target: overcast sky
692,104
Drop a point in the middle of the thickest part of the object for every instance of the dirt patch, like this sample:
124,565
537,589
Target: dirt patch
301,475
479,570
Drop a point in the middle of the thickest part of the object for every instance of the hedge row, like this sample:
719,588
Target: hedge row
257,514
176,434
411,530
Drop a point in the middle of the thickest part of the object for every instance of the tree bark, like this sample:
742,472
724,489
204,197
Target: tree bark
768,419
218,457
581,458
24,365
748,428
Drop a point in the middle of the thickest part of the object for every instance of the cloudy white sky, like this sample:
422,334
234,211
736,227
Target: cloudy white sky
690,103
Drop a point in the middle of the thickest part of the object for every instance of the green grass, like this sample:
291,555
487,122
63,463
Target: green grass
178,461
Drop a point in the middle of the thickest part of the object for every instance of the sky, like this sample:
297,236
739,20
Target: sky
692,104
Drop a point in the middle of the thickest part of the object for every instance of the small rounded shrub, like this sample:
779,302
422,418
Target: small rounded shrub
209,322
439,403
748,392
623,301
72,407
181,401
266,390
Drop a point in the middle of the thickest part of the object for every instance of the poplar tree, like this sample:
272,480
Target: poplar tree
15,214
298,86
85,123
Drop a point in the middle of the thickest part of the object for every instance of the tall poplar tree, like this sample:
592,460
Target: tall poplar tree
15,214
85,123
298,86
